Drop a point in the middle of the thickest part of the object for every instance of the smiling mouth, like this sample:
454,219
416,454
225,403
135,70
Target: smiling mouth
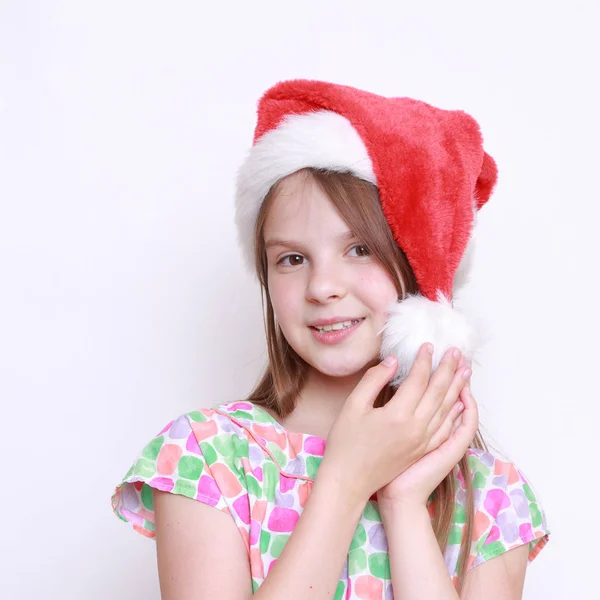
336,326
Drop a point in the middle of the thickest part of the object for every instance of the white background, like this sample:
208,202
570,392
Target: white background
123,298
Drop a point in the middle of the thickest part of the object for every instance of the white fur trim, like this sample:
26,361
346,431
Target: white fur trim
463,273
416,320
321,139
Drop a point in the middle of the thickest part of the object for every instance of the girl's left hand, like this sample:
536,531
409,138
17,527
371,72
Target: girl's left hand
414,485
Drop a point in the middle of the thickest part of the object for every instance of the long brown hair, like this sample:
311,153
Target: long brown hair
358,203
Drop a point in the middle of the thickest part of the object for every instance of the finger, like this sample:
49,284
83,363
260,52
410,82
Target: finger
462,432
461,378
373,381
410,392
456,423
438,385
447,427
471,413
466,430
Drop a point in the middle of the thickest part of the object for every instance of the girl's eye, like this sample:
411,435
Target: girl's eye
362,250
292,262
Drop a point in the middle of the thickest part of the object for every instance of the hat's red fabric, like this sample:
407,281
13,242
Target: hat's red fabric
429,163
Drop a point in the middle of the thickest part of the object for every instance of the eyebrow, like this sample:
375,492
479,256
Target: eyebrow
348,235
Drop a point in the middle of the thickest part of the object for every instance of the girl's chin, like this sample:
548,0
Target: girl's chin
342,369
339,361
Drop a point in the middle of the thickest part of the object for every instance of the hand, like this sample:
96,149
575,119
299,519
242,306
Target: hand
414,485
368,447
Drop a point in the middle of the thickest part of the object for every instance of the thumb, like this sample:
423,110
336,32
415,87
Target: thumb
373,381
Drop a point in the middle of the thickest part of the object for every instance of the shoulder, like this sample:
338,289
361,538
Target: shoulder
201,437
497,481
199,455
508,512
225,429
220,456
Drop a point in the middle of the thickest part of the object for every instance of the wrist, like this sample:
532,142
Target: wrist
340,488
404,508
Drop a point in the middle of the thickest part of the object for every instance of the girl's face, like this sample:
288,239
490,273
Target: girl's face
317,270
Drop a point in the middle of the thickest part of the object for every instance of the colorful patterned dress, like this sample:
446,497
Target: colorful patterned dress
237,458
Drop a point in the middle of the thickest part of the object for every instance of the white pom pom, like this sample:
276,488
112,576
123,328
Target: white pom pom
416,320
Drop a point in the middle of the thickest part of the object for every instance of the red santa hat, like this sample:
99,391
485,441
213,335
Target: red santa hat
432,175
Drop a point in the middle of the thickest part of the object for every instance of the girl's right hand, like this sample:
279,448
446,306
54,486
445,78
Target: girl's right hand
367,447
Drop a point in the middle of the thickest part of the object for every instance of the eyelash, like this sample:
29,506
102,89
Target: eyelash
280,261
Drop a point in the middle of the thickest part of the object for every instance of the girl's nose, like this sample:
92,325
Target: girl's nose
326,283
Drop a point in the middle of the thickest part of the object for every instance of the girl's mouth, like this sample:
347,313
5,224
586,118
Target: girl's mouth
335,333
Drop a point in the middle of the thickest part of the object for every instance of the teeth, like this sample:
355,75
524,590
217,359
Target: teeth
337,326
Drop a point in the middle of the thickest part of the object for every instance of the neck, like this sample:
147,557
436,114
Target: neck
320,402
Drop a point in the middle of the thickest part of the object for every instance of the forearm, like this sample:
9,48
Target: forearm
313,558
416,562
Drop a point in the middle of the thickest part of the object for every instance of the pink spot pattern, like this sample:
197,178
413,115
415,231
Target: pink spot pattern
283,520
242,509
495,501
208,491
314,445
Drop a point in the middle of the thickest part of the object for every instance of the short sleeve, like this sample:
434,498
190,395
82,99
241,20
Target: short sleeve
508,513
180,459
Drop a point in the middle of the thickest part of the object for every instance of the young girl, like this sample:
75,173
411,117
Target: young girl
343,475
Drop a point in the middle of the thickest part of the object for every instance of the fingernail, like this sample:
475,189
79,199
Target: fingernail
429,348
456,353
461,407
467,374
389,360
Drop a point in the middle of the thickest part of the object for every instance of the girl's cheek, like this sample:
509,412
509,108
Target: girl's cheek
377,288
284,297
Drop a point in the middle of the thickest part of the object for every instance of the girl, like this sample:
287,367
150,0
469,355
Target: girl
343,475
